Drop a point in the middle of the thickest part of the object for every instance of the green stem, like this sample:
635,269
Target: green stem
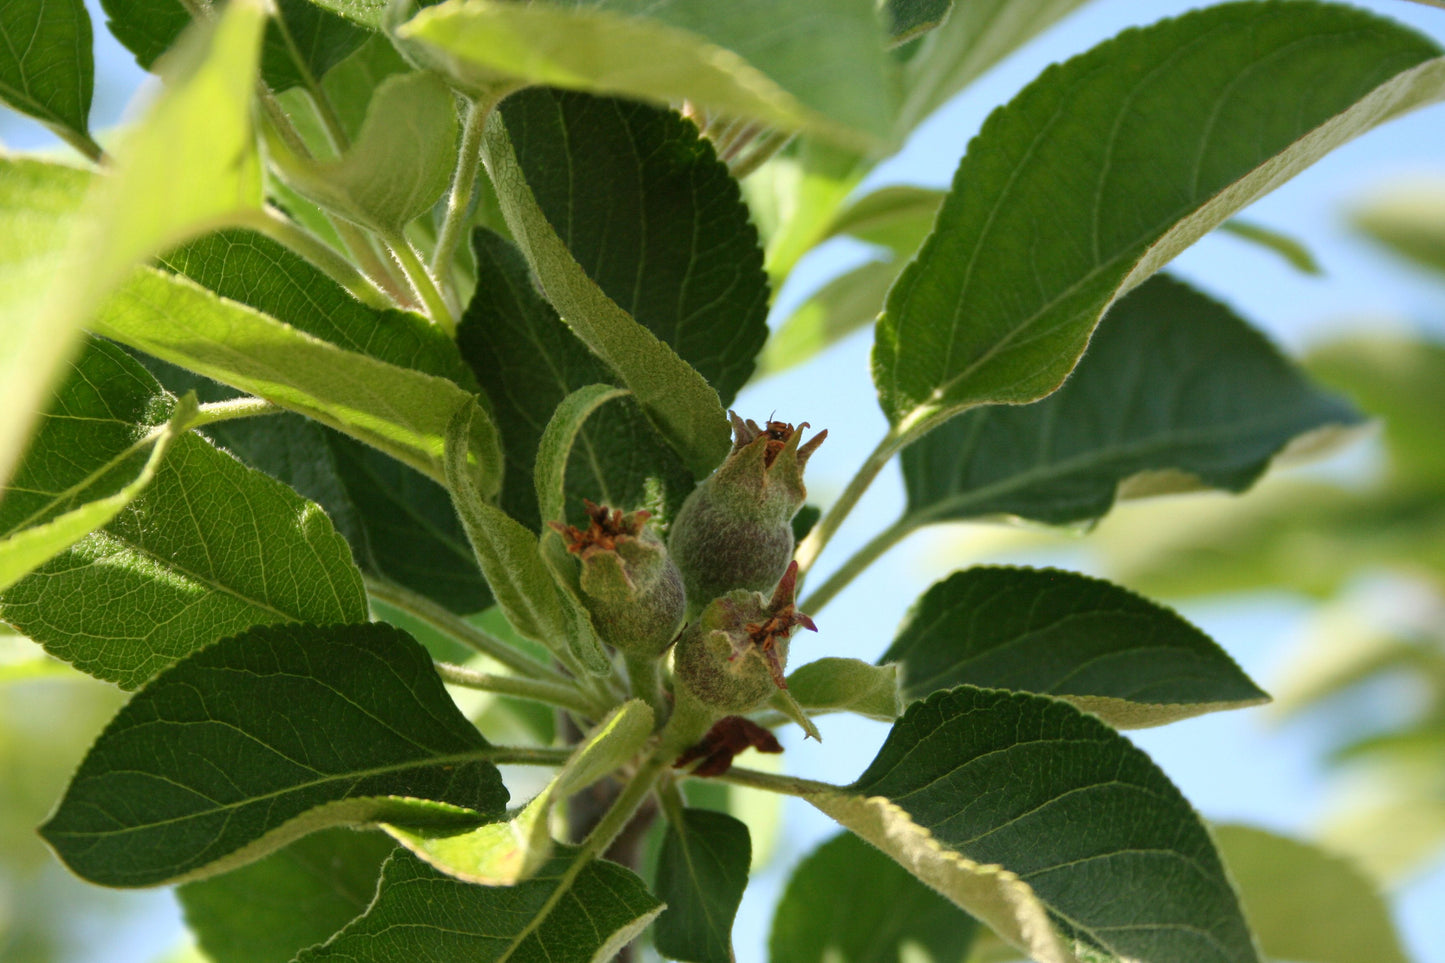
423,283
644,674
446,622
81,141
787,785
563,695
319,253
216,411
620,813
689,722
828,525
464,181
528,756
860,560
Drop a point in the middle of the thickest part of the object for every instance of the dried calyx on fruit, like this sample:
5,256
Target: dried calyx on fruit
731,660
629,584
735,530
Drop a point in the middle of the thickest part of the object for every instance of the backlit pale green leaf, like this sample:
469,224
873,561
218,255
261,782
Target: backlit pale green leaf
527,362
572,911
1176,392
190,163
701,874
753,59
897,217
400,163
1022,809
1106,167
1295,253
845,304
208,549
1091,643
675,396
847,902
298,896
300,728
47,69
1305,904
1406,217
400,411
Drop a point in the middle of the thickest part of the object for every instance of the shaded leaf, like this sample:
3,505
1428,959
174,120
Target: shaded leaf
47,69
701,874
154,198
399,164
1305,904
148,28
262,738
400,411
210,548
753,59
573,911
847,902
528,362
850,685
1089,642
680,402
298,896
1175,392
1035,243
514,849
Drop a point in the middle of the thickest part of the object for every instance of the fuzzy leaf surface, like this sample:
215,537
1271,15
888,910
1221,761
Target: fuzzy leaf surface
701,874
262,738
1175,392
847,902
832,684
1090,642
677,398
572,911
1041,795
1307,904
270,910
47,69
1106,167
817,65
148,28
210,548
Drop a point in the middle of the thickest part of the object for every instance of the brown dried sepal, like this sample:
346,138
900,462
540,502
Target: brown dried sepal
729,737
783,615
606,528
778,433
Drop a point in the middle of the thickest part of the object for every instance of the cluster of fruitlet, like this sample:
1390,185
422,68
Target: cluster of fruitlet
722,588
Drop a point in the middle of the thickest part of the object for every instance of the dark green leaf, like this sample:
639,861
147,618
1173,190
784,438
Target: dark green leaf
654,219
572,911
528,362
262,738
47,69
677,398
1000,800
847,902
1105,168
1175,392
701,875
909,18
804,521
754,59
210,548
298,896
1306,904
1101,647
148,28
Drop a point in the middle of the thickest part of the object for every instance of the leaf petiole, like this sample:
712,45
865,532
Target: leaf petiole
562,695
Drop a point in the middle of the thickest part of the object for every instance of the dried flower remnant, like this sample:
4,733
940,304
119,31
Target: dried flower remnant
729,737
